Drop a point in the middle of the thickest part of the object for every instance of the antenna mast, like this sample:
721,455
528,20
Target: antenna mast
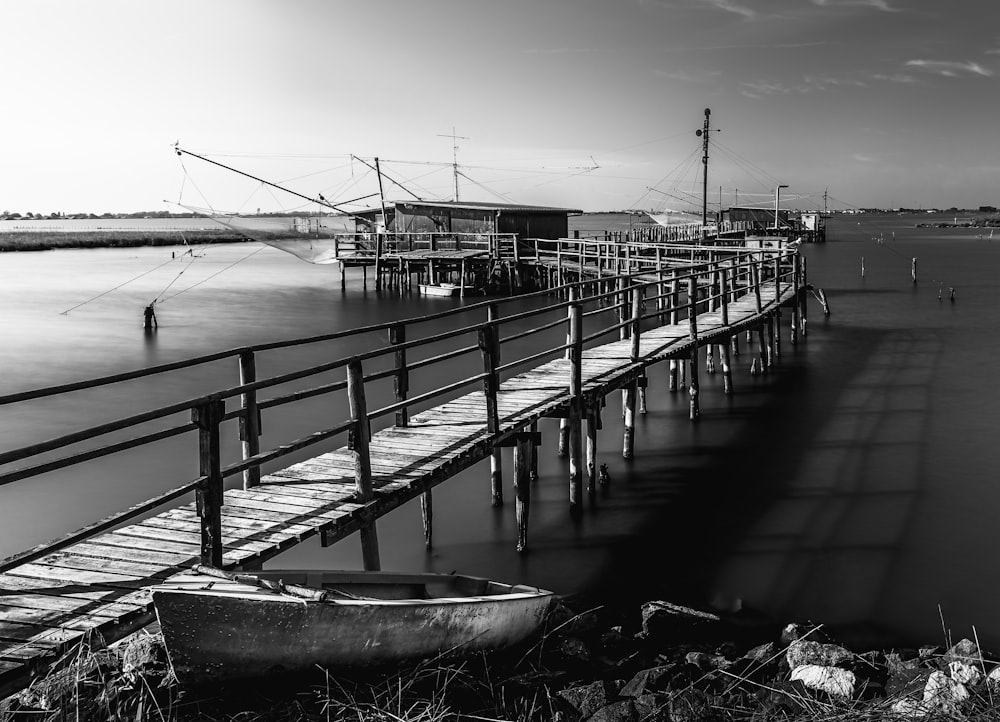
703,133
454,154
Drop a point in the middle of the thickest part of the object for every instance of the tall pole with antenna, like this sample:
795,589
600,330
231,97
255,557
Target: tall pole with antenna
454,154
704,160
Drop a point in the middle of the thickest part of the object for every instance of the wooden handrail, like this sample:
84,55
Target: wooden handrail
648,272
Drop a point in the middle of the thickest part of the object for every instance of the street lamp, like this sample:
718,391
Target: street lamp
777,194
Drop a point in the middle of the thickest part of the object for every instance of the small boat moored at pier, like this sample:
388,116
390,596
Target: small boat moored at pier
218,626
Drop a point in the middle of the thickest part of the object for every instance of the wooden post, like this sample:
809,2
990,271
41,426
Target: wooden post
427,517
632,389
862,266
575,401
796,297
250,419
727,372
358,443
761,343
804,328
522,487
593,424
488,348
401,381
534,452
343,277
675,301
913,270
209,496
496,458
695,410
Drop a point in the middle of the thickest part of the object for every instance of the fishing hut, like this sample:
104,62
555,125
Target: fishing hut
452,244
809,226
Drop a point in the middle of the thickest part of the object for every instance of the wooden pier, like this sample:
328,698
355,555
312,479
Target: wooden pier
674,304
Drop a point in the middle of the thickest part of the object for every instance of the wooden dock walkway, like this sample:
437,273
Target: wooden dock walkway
93,588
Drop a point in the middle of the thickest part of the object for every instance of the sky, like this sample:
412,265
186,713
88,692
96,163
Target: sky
588,104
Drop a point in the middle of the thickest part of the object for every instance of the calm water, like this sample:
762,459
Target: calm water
850,487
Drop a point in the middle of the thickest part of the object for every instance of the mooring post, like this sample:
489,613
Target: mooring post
488,348
496,458
761,343
675,300
358,443
427,517
727,372
249,418
401,380
695,410
534,451
522,487
209,496
624,311
575,401
593,424
804,316
632,388
913,270
796,298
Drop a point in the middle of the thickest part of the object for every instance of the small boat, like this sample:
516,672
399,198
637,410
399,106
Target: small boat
442,289
219,626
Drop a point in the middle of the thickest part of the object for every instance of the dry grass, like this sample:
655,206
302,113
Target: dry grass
50,240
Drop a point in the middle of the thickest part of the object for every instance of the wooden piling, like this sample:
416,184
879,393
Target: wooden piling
250,418
727,372
522,487
695,410
496,458
207,416
593,424
488,348
358,443
575,401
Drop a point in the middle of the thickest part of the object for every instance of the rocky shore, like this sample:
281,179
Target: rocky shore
662,662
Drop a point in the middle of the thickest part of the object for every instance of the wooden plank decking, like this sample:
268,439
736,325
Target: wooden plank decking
98,588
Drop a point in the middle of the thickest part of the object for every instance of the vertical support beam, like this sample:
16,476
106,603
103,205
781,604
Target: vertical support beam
695,410
593,424
427,517
359,438
207,416
575,400
496,458
675,302
727,372
632,390
250,419
488,348
534,452
796,297
401,381
804,308
522,487
761,343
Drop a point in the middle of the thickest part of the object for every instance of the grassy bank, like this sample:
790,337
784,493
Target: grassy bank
49,240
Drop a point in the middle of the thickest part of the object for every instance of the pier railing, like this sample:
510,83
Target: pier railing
634,290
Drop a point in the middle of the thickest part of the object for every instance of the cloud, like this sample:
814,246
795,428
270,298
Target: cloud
950,68
877,4
562,51
894,77
687,77
808,84
731,7
861,158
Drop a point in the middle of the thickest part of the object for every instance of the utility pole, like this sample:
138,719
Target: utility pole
454,154
703,133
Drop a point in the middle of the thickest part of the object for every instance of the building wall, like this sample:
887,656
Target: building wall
534,224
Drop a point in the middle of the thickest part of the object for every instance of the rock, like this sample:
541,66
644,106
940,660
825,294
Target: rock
964,673
689,706
832,680
795,631
763,653
647,680
944,693
909,707
585,700
897,661
801,652
675,624
965,651
906,681
623,711
574,651
653,707
706,661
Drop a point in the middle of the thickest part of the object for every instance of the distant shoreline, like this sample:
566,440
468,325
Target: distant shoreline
52,240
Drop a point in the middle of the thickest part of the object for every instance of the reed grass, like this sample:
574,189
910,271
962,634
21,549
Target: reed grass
50,240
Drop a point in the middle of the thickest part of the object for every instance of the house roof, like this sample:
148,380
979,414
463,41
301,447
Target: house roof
475,206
